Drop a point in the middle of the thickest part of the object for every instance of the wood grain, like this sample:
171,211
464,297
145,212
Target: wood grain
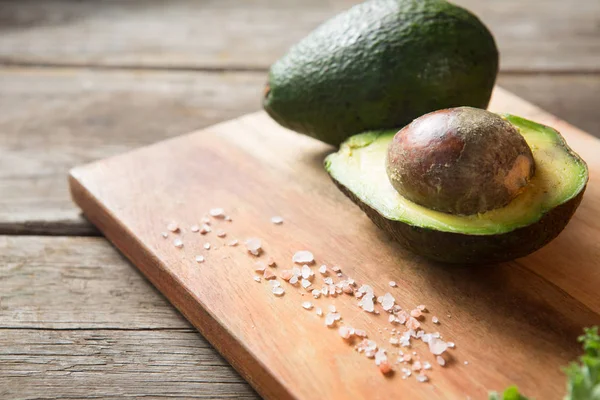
533,35
286,352
83,364
55,119
76,283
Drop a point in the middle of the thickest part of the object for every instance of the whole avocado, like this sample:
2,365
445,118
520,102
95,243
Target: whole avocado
380,65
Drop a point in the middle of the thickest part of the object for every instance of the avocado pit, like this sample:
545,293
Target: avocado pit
460,161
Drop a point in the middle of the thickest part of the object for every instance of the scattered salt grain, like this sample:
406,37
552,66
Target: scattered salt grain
451,345
394,341
328,281
316,293
331,308
417,366
268,274
345,332
437,346
427,365
422,378
257,278
466,363
330,319
306,272
278,291
207,246
271,262
366,303
421,307
305,283
435,320
286,274
387,301
380,356
233,243
253,246
227,218
440,360
336,269
178,243
200,259
303,257
259,266
274,283
307,305
277,220
412,323
195,228
385,368
217,213
360,333
205,229
294,279
416,313
164,235
323,269
221,233
173,227
319,311
393,284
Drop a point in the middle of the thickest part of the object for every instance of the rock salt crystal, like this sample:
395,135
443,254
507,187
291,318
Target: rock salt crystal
388,301
345,332
303,257
380,356
319,311
205,229
207,246
306,272
435,320
199,259
422,378
393,284
217,213
178,243
173,227
440,360
195,228
278,291
257,278
305,283
437,346
277,220
253,246
307,305
323,269
366,303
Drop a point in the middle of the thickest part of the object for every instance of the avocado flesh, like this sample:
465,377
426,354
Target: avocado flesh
549,200
379,65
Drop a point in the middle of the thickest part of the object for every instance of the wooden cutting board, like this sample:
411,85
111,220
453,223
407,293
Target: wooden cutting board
514,323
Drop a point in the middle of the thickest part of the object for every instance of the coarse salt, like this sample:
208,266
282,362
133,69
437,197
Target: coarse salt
233,243
194,228
259,266
440,360
451,345
257,278
164,235
435,320
366,303
221,233
253,246
173,227
422,378
307,305
178,243
205,229
271,262
207,246
200,259
268,274
319,311
306,272
393,284
323,269
217,212
345,332
277,220
286,274
437,346
316,293
305,283
416,313
388,301
303,257
278,291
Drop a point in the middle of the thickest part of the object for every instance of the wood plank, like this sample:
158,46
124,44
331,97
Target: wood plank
54,119
82,364
72,116
532,35
76,283
486,311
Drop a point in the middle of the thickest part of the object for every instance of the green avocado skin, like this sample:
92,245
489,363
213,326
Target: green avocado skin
380,65
457,248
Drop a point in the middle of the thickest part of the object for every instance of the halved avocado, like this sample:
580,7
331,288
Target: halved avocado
526,224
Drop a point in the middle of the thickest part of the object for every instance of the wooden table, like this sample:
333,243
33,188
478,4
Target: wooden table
84,80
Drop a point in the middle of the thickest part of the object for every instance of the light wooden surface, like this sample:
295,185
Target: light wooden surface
255,169
75,94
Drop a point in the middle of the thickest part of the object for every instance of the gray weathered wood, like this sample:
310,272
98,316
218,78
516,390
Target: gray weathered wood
52,120
76,283
84,364
532,35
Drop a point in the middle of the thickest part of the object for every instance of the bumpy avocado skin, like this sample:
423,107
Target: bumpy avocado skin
380,65
456,248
